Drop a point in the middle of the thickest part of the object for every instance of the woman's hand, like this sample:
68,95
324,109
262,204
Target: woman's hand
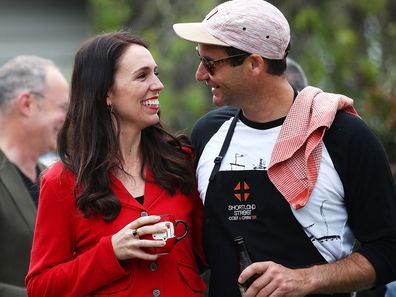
127,244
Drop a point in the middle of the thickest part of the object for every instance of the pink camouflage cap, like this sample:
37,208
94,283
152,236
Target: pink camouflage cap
254,26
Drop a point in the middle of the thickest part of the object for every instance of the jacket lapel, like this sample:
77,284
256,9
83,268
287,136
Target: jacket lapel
13,182
152,192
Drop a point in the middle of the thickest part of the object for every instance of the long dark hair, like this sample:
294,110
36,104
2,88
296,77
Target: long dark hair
88,143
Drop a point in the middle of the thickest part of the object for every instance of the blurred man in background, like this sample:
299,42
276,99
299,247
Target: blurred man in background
34,98
295,74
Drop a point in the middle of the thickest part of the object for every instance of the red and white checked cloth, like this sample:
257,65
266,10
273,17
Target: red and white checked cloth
295,160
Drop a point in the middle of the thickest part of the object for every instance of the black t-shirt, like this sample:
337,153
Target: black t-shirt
140,199
32,187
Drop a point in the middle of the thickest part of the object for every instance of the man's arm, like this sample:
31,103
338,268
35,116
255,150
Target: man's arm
350,274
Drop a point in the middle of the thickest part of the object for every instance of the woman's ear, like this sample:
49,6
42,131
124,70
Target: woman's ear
108,98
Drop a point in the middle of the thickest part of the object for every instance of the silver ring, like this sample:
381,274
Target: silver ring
135,232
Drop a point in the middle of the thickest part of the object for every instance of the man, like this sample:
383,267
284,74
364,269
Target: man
34,98
295,74
289,172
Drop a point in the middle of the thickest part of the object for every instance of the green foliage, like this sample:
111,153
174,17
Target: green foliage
347,47
109,15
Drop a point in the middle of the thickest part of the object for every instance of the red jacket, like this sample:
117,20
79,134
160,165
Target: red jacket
73,255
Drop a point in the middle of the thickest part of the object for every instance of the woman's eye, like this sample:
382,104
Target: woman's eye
142,76
156,73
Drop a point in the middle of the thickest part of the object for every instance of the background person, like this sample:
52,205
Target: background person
34,97
288,172
119,169
295,75
391,289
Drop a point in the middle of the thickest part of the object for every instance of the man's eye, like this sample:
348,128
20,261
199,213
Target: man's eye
156,73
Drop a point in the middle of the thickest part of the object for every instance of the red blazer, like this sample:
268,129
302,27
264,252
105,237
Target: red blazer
73,255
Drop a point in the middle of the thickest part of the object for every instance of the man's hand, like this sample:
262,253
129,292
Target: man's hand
274,280
353,273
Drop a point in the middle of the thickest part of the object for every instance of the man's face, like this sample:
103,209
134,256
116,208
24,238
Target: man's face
52,110
223,79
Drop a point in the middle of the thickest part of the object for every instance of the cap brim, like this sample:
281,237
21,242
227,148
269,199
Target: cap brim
197,33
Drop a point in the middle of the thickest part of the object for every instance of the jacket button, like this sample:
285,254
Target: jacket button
144,214
153,266
156,293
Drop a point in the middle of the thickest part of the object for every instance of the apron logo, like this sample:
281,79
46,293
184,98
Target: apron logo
244,211
242,191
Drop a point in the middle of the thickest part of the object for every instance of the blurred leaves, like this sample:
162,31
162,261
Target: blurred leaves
109,15
345,48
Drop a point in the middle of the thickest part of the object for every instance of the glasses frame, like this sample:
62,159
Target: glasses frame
210,64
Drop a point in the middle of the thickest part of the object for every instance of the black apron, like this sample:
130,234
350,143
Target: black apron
245,203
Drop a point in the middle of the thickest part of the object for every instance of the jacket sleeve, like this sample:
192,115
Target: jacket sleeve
55,269
197,232
197,217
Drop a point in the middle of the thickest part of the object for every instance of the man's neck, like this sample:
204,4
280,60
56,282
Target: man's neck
270,103
21,155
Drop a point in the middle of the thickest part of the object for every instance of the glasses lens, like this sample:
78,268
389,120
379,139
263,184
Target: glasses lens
208,66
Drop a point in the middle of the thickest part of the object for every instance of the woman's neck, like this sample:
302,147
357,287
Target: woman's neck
130,145
131,173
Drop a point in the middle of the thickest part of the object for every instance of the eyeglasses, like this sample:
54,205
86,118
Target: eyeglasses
210,64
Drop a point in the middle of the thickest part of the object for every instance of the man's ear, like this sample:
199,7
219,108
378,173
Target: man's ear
25,102
257,64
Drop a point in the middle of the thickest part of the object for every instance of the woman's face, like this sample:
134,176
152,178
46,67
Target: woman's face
134,96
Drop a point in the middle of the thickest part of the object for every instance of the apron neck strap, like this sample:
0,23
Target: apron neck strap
225,146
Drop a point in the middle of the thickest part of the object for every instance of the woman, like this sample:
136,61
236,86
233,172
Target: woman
118,170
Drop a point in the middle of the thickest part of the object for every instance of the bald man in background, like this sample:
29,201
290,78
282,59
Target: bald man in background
34,98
